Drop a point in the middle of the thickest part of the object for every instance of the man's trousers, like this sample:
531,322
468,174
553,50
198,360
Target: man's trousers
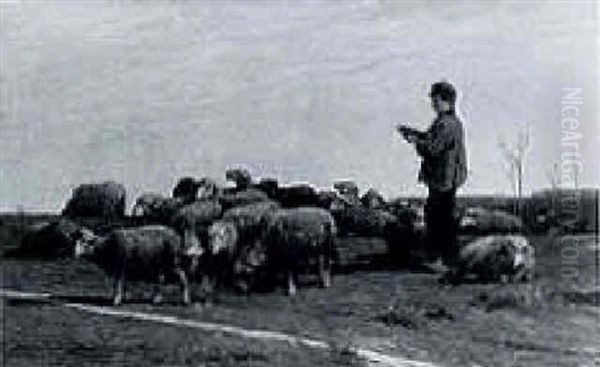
442,226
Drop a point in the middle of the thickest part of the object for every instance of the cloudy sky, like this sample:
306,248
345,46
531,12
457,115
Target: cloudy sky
144,92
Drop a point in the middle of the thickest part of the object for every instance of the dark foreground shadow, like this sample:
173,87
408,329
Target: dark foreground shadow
27,302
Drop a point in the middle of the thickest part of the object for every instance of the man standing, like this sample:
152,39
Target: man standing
443,170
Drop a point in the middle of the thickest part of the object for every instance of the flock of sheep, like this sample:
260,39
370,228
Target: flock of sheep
245,236
252,235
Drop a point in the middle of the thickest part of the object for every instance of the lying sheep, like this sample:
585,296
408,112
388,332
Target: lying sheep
142,253
293,238
47,240
493,258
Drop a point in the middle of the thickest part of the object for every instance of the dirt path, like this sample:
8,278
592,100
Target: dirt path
374,358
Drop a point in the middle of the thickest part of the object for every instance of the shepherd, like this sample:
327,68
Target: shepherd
443,171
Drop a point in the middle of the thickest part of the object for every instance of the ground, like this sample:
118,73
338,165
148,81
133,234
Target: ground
555,321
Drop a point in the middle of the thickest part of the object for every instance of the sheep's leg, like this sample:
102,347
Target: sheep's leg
527,275
118,290
206,285
291,283
324,271
158,298
185,288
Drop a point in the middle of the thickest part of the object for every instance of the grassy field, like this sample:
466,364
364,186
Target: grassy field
555,321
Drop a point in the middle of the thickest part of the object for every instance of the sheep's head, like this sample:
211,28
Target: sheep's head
85,241
524,253
251,258
186,189
346,187
222,238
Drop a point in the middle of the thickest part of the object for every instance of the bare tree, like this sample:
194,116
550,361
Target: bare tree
515,156
553,175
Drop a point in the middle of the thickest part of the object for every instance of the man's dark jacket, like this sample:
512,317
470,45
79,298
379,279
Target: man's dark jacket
442,148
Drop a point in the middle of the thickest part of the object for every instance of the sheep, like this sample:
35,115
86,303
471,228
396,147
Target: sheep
142,253
192,221
106,200
154,208
47,240
493,258
240,176
248,218
235,238
209,190
348,190
269,186
294,237
243,197
327,199
298,195
186,189
361,221
372,199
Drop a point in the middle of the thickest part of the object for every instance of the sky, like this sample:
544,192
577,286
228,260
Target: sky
144,92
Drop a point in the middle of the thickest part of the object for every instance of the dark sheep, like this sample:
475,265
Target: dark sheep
235,236
269,186
240,176
106,200
49,241
298,195
192,221
348,191
142,253
364,222
294,238
186,189
372,199
243,197
209,190
154,208
326,199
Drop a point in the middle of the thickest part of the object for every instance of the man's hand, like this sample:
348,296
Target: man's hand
408,133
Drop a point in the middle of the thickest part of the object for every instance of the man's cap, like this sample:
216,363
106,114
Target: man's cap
445,90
